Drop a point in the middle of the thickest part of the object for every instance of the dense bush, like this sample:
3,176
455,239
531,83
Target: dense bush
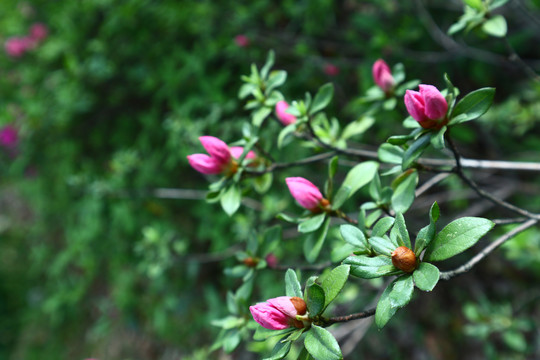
108,247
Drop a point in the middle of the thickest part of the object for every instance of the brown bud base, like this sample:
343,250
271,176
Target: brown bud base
404,259
299,305
324,205
250,262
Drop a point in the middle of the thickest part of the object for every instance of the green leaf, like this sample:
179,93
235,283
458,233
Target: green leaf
334,282
382,226
281,349
496,26
357,127
304,355
292,285
402,291
262,334
381,245
426,276
359,176
427,234
276,79
390,154
343,193
260,115
322,98
262,183
473,105
286,131
401,227
231,199
404,194
322,345
457,237
312,223
437,139
496,4
332,167
314,242
232,340
267,66
415,151
475,4
366,267
315,299
385,310
353,236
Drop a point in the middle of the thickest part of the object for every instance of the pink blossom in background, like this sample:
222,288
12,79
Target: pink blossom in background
271,260
283,115
9,136
382,75
331,69
426,106
241,40
17,46
38,31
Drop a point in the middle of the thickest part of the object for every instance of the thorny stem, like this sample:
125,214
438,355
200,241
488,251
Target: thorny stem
488,249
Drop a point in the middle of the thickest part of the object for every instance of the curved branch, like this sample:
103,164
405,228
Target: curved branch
345,318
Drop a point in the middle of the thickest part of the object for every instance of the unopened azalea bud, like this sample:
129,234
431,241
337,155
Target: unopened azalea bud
427,106
220,158
271,260
404,259
237,151
241,40
250,261
279,313
307,194
331,70
383,76
38,31
283,115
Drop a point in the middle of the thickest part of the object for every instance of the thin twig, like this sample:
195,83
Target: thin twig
345,318
487,250
430,183
276,166
307,267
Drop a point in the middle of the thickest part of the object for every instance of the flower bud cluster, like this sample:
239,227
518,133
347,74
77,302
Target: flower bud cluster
427,106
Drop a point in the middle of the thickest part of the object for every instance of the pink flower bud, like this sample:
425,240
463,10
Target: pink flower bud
307,194
331,69
271,260
279,313
204,164
9,137
236,152
427,107
241,40
216,148
38,31
283,115
382,75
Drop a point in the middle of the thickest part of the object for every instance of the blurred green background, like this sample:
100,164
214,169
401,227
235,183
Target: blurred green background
97,261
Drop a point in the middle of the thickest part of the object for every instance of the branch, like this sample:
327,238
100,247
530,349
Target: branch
305,161
488,249
479,191
345,318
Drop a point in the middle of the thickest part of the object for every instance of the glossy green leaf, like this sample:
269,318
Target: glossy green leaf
404,194
260,115
475,4
415,151
304,355
457,237
385,310
390,154
315,299
262,183
292,285
381,245
382,226
353,236
473,105
314,242
334,282
322,98
366,267
402,291
312,223
359,176
426,276
343,193
437,138
276,79
281,349
322,345
231,199
402,231
262,334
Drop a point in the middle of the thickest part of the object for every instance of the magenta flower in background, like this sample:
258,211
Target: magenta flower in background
382,75
39,31
271,260
427,106
17,46
9,137
279,313
241,40
306,194
331,69
283,115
